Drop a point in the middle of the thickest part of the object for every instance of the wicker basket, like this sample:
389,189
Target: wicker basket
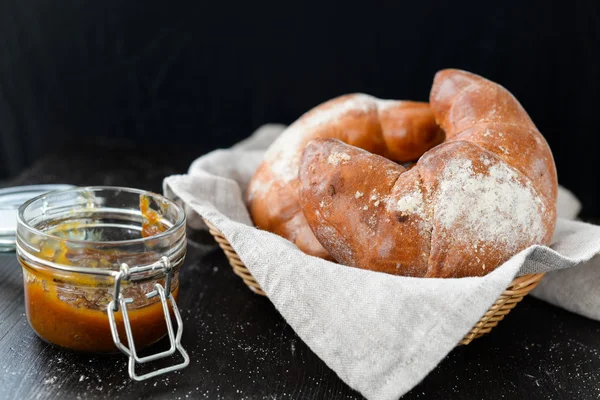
518,289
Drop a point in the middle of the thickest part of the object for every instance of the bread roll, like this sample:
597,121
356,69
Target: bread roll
399,130
467,206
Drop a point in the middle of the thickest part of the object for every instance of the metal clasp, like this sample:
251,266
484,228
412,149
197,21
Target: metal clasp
121,302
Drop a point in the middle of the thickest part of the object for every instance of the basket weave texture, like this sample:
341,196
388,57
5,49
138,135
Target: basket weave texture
509,299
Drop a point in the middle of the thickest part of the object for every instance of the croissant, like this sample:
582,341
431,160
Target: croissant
467,205
399,130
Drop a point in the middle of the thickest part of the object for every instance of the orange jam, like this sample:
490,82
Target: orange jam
71,318
151,224
69,309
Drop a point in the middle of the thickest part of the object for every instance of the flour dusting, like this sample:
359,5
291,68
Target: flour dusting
336,158
259,187
50,381
384,104
494,206
337,244
411,203
284,153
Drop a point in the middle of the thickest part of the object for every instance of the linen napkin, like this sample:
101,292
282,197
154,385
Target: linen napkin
381,334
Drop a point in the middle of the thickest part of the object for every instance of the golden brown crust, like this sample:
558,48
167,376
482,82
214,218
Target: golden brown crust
399,130
472,108
466,207
351,213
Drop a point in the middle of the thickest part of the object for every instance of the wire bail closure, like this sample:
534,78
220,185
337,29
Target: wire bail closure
121,302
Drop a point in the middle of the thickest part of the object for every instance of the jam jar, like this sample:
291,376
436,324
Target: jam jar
101,270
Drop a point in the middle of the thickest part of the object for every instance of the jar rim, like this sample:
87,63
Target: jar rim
180,221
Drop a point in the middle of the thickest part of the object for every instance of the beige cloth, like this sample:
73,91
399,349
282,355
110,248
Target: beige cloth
381,334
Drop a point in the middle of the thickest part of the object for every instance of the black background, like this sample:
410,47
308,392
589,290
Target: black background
203,75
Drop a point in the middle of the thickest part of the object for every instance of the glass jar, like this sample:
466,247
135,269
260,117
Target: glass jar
101,270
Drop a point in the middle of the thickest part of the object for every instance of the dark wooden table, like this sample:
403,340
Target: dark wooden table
242,348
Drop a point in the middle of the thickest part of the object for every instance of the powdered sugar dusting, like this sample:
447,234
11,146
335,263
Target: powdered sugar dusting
494,206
